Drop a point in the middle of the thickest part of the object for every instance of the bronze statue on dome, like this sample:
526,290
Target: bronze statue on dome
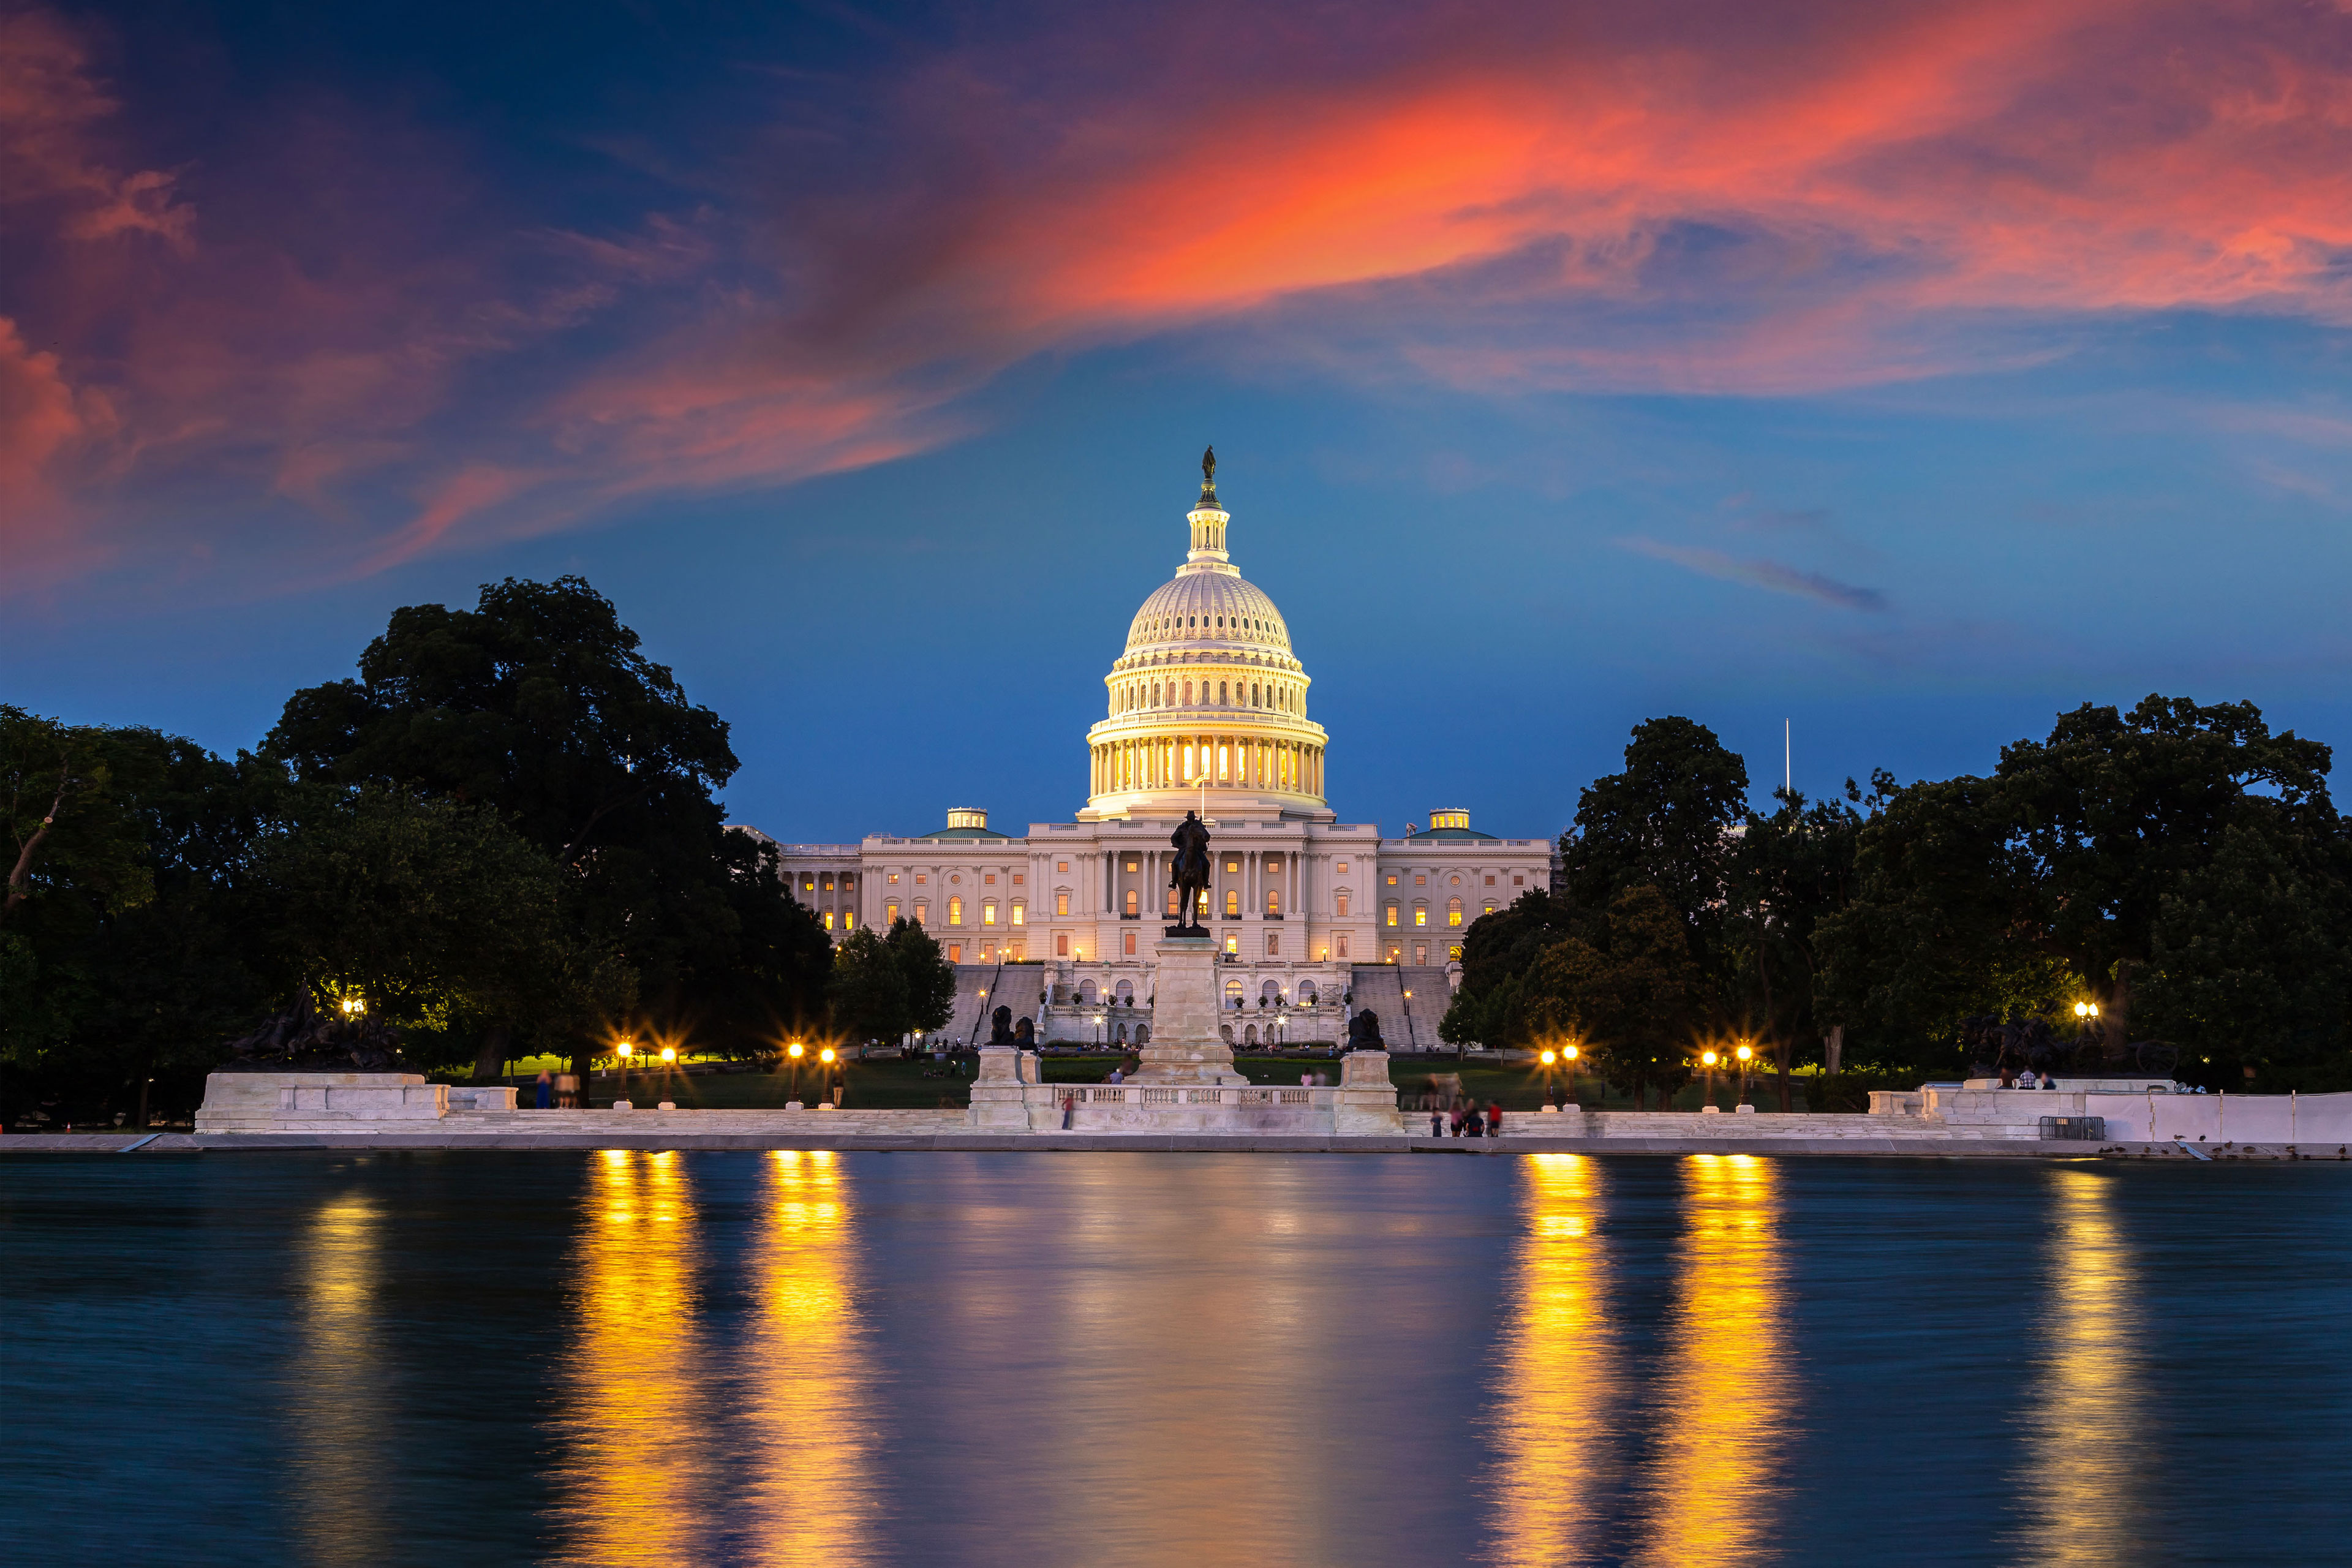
1208,469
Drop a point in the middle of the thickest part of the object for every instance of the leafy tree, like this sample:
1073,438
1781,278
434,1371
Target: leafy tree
867,991
433,912
1632,999
1667,821
929,978
2098,860
66,820
1489,1007
1793,867
537,703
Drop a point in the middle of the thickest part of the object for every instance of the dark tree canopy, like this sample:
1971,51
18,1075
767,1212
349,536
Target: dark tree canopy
1667,821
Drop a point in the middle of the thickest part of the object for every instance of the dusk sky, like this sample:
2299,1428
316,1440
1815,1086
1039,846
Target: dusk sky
1907,372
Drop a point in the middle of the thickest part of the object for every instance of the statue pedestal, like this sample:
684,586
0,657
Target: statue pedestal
1187,1008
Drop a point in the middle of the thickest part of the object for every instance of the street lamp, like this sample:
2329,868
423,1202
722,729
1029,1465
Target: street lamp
622,1050
793,1052
827,1058
1745,1055
1708,1059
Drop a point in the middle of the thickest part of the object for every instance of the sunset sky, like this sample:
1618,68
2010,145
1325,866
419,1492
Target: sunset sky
1907,372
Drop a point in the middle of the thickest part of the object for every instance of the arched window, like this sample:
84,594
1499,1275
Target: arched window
1126,994
1188,694
1233,902
1086,992
1392,913
1232,993
955,911
1270,992
1306,992
1454,912
1421,914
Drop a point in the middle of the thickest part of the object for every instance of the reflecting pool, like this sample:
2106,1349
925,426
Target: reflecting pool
1172,1359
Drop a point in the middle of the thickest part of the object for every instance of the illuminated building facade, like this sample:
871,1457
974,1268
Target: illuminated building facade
1206,710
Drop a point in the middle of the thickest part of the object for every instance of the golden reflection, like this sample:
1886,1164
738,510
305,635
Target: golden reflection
338,1403
1715,1476
2084,1447
1559,1376
631,1481
810,1499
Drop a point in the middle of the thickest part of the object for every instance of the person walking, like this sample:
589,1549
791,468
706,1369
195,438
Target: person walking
1457,1118
1494,1119
1069,1109
543,1093
1436,1117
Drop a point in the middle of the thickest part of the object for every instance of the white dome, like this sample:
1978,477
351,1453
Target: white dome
1212,606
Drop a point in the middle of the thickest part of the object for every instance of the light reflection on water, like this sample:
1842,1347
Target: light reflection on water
340,1400
1159,1358
633,1472
2085,1450
1713,1483
806,1391
1554,1423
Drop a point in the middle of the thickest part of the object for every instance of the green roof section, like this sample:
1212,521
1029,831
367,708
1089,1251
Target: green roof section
1453,833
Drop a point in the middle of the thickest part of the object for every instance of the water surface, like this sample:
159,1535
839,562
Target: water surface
1082,1359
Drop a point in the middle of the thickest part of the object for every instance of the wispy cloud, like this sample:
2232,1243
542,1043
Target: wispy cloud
1757,572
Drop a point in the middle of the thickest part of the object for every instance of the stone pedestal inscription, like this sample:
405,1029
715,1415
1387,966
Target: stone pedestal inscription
1186,1046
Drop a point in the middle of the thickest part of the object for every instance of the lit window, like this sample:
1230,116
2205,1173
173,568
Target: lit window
826,883
1395,952
1454,912
1016,879
1232,866
955,911
990,878
1454,951
1172,900
1234,946
828,919
890,910
1343,903
1233,902
1518,882
1133,902
1343,868
1420,878
849,920
1061,944
848,883
1061,903
920,878
894,878
1392,914
1021,913
1129,866
988,913
808,884
1420,952
1393,877
955,952
1062,867
1130,944
1421,914
922,914
1490,907
1273,901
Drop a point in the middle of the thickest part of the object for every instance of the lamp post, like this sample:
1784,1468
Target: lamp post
1746,1055
1567,1055
1708,1059
669,1062
827,1056
622,1050
792,1053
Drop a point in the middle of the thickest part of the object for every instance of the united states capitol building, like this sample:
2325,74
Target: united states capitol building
1206,710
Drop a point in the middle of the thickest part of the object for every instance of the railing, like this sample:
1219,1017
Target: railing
1172,1094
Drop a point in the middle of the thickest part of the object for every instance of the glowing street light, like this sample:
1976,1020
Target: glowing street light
827,1058
354,1007
622,1050
1746,1055
1707,1060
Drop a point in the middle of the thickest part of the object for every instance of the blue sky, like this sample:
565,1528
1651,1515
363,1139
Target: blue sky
863,363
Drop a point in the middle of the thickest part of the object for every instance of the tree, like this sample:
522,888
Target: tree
1488,1008
432,913
929,978
868,991
1632,1000
2094,863
1667,821
1792,868
537,703
66,822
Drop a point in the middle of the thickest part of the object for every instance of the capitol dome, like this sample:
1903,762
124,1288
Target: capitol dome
1207,704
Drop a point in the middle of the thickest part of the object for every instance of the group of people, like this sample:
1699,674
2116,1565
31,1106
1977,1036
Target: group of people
1463,1119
